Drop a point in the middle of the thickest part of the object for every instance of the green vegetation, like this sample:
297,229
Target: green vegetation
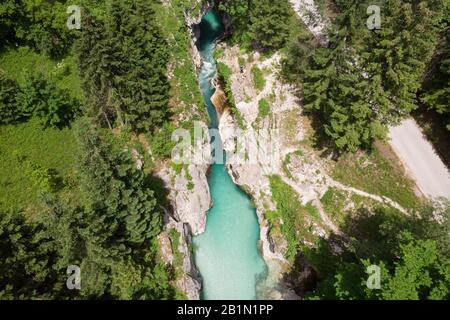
69,198
411,252
263,108
262,24
36,98
374,174
161,141
175,241
190,185
123,64
258,78
73,104
224,74
111,235
50,148
365,80
9,89
41,24
436,92
17,63
293,215
185,95
334,203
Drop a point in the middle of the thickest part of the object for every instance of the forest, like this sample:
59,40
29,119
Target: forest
105,216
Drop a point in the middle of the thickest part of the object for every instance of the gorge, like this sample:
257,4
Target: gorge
226,254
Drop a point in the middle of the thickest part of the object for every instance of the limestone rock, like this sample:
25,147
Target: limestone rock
189,190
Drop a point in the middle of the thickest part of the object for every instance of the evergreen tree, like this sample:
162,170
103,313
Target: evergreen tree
26,264
119,190
94,60
399,51
39,97
270,23
436,93
123,62
9,90
366,80
336,86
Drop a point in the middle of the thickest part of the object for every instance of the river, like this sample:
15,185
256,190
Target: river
226,254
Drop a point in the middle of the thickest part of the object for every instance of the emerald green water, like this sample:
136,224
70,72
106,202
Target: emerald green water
227,254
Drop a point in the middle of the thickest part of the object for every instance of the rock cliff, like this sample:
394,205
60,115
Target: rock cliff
190,201
188,188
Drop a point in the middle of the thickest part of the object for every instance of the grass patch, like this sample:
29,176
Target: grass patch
218,53
263,108
18,62
174,236
185,90
224,73
290,126
334,202
286,163
293,214
372,173
258,78
190,185
177,167
49,149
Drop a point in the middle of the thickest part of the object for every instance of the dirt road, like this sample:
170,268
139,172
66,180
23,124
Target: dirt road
420,159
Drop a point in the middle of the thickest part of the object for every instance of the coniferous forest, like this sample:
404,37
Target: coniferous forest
79,108
111,231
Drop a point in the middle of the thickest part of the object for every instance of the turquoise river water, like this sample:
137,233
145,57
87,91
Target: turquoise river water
227,254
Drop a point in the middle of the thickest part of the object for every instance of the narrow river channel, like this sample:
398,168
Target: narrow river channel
227,254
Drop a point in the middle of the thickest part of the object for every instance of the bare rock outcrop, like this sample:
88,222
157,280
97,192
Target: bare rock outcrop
190,201
189,282
193,17
188,189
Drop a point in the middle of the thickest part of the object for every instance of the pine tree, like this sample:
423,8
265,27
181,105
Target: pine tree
94,60
366,80
123,63
399,51
118,190
9,90
269,23
26,264
336,86
436,93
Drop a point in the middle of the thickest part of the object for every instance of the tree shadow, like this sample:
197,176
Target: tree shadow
160,190
320,140
369,234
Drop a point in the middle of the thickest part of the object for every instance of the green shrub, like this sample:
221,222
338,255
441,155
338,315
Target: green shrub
224,73
258,78
263,108
43,178
293,213
161,142
43,99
